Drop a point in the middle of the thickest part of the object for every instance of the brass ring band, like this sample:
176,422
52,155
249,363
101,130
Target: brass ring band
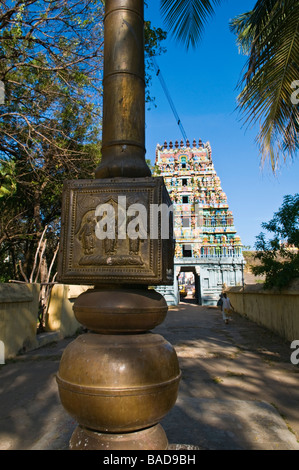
96,391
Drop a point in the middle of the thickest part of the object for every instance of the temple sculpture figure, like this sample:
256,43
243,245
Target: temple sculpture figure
207,243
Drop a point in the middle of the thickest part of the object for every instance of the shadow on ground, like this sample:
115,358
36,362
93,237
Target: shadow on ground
239,389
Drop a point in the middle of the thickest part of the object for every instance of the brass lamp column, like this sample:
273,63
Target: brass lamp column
120,379
123,144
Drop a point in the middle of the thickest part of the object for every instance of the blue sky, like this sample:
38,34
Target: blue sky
202,84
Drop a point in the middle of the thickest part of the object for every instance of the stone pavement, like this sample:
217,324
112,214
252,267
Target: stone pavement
239,390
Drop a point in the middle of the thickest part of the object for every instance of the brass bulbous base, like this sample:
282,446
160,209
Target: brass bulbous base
118,383
153,438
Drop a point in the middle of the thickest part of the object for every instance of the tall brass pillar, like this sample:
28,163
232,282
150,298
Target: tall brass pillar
119,379
123,145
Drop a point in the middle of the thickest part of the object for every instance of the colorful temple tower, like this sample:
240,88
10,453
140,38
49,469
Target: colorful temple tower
207,243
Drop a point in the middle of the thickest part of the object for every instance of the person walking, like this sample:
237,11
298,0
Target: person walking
220,302
226,307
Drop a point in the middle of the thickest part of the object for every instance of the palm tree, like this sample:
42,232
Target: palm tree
186,19
269,34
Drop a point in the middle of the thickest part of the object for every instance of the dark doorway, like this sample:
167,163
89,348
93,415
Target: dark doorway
187,251
189,285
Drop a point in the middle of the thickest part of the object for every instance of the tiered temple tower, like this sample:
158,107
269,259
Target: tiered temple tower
207,243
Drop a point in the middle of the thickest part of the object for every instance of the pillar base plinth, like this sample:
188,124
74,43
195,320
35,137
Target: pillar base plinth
153,438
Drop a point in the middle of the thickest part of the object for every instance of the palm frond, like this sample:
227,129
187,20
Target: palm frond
270,35
244,31
186,19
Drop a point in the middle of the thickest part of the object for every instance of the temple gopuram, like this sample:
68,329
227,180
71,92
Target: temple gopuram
208,253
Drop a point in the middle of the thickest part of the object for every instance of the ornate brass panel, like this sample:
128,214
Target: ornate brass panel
85,257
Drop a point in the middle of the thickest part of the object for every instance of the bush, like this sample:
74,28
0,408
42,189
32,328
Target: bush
279,256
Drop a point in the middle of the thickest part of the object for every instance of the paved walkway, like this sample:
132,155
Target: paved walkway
239,389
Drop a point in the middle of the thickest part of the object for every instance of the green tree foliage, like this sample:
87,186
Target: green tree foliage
153,47
279,256
50,122
50,63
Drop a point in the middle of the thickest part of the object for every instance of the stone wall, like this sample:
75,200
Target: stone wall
19,311
277,311
18,317
60,315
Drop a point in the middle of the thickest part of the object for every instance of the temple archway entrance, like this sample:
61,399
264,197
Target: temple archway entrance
189,285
